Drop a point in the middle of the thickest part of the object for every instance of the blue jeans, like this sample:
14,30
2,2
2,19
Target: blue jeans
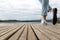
45,7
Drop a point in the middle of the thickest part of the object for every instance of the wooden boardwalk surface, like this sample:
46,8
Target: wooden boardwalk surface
29,32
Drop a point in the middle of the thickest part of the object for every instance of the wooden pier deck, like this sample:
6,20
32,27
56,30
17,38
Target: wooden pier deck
29,32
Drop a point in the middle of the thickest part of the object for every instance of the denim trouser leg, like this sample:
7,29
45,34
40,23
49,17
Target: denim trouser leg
45,7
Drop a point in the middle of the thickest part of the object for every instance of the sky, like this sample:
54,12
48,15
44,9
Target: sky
24,9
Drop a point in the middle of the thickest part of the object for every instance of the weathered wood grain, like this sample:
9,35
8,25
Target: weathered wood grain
29,32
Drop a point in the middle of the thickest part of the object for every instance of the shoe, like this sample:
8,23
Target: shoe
54,16
43,22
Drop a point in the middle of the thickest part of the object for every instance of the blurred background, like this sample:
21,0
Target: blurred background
24,9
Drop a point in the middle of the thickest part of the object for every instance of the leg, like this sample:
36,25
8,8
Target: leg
49,7
46,7
45,4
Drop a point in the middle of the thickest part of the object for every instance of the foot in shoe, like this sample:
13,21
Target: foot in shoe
44,22
54,16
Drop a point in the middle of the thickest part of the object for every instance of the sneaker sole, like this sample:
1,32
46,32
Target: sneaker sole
54,16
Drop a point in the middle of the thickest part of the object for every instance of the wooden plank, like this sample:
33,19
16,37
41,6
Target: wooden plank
54,28
29,32
8,34
6,28
9,29
31,35
23,35
39,34
3,30
43,30
16,35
